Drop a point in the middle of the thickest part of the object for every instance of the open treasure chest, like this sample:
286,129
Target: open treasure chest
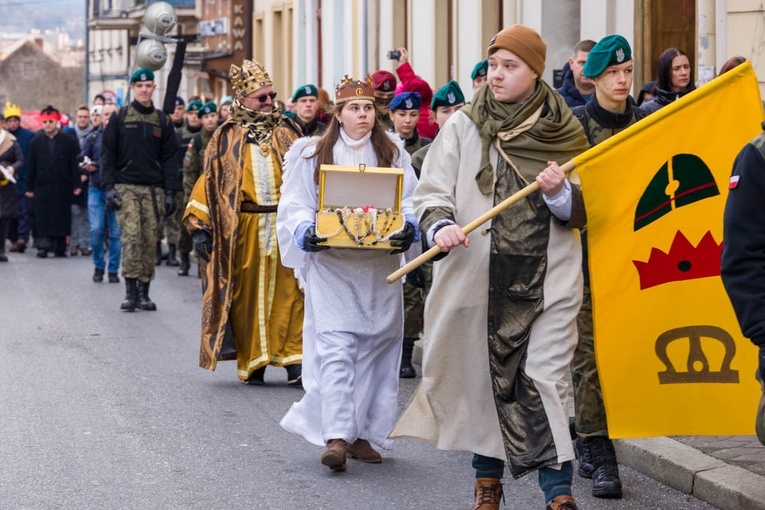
359,206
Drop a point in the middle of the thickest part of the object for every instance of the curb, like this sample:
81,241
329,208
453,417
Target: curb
688,470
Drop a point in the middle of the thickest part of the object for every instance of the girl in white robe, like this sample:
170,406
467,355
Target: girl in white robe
353,327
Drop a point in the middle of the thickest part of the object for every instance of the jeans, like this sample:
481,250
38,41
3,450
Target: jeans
553,482
100,220
79,237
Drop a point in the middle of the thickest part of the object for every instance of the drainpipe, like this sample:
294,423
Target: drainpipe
87,53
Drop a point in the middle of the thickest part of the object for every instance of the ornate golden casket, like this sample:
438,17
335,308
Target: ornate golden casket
359,206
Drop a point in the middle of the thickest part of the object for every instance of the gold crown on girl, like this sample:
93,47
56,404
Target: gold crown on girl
248,78
349,89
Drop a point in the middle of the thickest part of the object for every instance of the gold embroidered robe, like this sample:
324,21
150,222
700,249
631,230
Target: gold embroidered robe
252,309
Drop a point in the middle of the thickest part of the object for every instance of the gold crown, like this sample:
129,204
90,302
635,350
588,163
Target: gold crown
11,110
248,78
349,89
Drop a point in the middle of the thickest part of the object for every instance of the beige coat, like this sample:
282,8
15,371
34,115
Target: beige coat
454,405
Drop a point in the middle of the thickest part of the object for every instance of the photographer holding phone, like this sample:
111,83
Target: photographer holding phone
412,83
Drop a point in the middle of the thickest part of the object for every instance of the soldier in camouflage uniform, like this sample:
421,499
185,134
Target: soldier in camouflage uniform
447,100
611,110
138,162
193,164
173,232
385,89
404,112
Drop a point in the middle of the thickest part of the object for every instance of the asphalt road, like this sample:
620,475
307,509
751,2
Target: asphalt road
101,409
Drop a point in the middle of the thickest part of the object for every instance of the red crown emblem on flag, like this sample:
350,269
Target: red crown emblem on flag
683,262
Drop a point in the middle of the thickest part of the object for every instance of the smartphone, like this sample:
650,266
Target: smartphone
394,54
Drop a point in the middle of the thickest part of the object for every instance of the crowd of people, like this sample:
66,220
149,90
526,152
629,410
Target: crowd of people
237,184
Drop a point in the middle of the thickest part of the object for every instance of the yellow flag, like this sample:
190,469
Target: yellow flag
670,353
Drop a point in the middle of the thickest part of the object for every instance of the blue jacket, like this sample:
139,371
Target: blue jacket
23,136
91,147
569,91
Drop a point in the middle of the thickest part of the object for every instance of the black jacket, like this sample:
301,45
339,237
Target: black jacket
53,176
743,257
663,98
139,146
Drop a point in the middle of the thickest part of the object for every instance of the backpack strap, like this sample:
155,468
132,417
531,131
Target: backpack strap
580,112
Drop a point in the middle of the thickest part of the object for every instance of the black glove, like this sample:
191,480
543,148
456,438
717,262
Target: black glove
311,241
416,278
113,200
169,204
403,240
202,244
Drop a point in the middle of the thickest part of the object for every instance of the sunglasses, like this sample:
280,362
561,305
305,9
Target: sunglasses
262,98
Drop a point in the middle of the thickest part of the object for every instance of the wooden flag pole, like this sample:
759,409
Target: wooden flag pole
491,213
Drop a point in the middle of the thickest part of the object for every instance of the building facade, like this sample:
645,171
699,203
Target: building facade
114,30
445,38
318,41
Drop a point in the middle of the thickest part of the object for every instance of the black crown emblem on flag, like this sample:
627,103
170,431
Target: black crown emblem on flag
698,368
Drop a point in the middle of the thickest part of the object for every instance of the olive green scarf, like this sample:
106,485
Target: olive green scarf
556,136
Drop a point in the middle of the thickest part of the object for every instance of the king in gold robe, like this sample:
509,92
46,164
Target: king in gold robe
252,309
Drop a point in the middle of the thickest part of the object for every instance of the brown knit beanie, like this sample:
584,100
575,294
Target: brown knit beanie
524,42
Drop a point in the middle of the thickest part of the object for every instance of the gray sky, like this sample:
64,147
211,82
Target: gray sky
20,16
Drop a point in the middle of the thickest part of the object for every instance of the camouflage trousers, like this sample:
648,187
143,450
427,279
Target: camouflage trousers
171,227
414,303
589,410
138,218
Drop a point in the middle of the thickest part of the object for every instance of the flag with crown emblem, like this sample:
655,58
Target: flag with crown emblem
670,353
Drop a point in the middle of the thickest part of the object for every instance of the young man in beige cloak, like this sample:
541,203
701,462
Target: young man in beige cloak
501,316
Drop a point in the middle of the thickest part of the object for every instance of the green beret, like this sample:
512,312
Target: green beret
305,91
480,69
194,106
142,74
610,51
448,95
209,107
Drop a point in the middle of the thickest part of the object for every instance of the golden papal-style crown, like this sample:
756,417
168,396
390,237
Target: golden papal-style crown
248,78
349,89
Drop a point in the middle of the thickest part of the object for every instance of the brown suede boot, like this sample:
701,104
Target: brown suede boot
334,456
363,451
488,492
562,503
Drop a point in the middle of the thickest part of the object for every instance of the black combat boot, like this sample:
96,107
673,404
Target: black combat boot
407,370
144,303
183,269
605,477
171,260
158,254
582,451
131,295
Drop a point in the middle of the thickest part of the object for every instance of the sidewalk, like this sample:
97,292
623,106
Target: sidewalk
725,471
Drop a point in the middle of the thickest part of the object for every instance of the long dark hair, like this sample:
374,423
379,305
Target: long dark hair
385,150
664,81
